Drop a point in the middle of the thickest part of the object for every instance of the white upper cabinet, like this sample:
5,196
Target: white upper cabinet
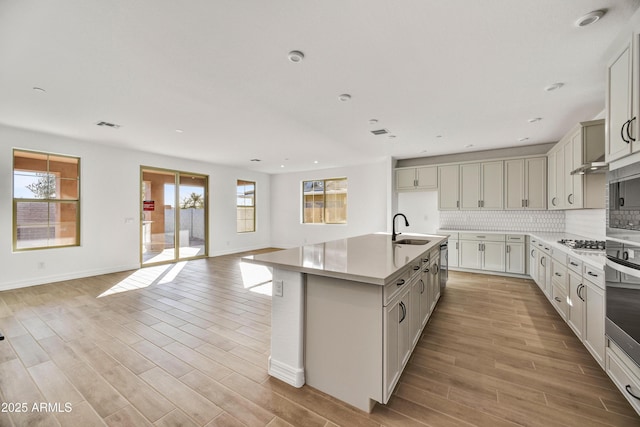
449,187
525,183
417,179
481,186
619,99
583,144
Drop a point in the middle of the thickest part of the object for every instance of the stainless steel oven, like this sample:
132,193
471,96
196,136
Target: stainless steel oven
622,270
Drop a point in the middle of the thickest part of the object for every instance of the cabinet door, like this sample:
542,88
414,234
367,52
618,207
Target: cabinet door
577,181
405,179
515,258
449,187
552,195
493,256
576,304
533,263
469,254
392,316
427,177
594,338
415,325
514,184
569,193
543,280
536,183
453,253
470,186
493,185
425,296
404,328
619,95
435,284
560,179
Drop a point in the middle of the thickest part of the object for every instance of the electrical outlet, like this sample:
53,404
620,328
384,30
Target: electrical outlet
278,286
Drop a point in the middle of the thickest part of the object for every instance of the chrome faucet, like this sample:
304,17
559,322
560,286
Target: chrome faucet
393,222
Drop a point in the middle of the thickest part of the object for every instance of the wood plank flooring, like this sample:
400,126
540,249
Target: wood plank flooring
187,345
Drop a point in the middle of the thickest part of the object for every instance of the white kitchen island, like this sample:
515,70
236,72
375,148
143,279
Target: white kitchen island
350,312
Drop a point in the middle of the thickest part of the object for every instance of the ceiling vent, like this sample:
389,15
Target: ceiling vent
380,132
109,125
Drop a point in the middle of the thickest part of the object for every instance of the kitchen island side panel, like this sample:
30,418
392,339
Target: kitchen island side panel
343,345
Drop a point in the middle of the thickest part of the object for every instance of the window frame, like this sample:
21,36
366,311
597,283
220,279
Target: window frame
324,201
253,207
48,201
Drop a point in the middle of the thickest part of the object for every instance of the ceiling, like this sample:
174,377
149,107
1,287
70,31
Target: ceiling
438,75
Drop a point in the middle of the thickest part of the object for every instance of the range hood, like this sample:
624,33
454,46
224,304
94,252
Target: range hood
591,167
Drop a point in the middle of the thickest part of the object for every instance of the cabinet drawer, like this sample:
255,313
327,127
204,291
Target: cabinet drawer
543,247
399,283
623,378
483,237
559,299
559,255
414,267
515,238
558,272
574,264
594,275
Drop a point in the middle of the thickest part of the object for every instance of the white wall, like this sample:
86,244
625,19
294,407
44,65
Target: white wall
421,209
109,195
368,197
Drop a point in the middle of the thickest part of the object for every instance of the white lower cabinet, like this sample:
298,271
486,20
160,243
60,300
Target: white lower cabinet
483,251
515,259
415,321
425,294
392,320
593,336
576,300
454,253
493,256
624,373
470,254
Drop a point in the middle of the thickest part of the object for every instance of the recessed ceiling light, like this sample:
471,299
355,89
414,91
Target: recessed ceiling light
373,121
523,139
295,56
315,161
553,87
39,90
535,119
281,166
179,130
589,18
468,146
344,97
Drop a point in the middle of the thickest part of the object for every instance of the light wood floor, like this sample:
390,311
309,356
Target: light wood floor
188,345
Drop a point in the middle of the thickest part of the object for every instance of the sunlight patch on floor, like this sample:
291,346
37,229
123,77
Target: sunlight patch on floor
254,275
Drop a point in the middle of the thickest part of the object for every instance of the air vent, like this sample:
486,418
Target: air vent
109,125
256,160
380,132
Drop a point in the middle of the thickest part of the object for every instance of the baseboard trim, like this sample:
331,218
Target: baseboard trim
286,373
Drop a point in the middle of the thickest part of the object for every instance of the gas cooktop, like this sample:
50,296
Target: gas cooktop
584,245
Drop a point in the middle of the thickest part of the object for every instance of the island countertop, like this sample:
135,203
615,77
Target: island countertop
371,258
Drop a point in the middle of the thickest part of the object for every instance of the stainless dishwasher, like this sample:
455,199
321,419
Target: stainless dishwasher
444,264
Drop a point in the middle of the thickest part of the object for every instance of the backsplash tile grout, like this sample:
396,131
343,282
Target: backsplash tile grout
541,221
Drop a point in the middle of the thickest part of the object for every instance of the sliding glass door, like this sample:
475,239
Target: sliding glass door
174,215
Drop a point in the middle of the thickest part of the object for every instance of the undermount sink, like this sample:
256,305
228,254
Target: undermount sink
411,242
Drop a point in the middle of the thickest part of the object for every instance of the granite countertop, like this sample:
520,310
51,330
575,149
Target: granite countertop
371,258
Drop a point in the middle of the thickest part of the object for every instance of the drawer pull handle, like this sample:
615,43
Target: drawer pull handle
400,282
425,259
558,274
557,299
591,274
426,270
573,263
628,388
416,267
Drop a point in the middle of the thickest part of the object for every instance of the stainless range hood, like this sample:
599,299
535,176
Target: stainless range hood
591,167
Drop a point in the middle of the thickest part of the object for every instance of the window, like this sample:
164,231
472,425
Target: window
246,203
324,201
46,200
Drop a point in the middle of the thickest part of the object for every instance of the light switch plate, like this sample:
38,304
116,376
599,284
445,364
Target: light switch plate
277,288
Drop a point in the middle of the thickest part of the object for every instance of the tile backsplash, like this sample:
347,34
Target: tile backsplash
544,221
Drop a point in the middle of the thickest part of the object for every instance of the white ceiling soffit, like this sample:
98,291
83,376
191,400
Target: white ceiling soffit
438,75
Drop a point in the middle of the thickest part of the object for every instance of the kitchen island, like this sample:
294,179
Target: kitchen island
347,314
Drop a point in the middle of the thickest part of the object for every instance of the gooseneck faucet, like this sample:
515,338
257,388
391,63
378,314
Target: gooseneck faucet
393,222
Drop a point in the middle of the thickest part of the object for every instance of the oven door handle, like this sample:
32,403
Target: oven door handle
625,268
